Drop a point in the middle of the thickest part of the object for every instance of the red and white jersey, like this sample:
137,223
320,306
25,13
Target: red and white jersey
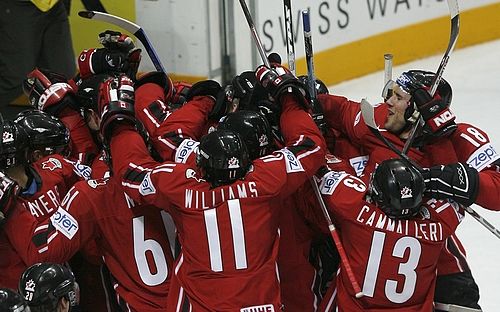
11,264
133,240
53,176
345,116
394,261
229,234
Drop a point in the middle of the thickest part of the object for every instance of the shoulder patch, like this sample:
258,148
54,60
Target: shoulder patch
359,164
483,157
185,149
96,183
146,187
330,181
52,164
292,162
64,222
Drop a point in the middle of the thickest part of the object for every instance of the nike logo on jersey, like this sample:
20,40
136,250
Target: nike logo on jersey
261,308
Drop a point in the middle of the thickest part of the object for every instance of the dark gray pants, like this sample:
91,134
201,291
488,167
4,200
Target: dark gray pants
31,38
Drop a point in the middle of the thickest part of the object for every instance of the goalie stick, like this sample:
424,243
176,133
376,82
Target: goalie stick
133,28
333,231
455,28
290,43
368,114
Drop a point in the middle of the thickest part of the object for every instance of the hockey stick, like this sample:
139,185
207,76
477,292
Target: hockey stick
337,241
312,89
306,20
387,91
387,68
455,28
290,43
332,228
255,35
367,112
133,28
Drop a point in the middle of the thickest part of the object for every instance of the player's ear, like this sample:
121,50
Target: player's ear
36,155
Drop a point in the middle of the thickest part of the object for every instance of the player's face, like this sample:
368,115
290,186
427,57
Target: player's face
398,103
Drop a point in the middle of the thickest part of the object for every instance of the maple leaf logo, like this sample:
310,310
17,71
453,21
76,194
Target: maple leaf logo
406,192
51,164
233,163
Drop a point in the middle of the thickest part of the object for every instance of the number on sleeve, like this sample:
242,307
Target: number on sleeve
478,139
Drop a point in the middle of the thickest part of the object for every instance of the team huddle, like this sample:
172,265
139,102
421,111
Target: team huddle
122,191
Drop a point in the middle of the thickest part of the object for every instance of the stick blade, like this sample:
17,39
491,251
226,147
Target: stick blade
368,113
86,14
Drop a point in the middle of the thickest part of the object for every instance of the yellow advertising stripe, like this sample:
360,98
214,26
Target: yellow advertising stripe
406,44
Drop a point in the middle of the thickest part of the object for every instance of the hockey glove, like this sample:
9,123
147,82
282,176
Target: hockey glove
49,92
458,182
116,105
9,190
109,61
279,81
179,96
439,120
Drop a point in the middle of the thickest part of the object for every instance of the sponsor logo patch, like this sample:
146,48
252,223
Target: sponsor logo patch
483,157
64,222
147,187
359,164
186,148
330,181
292,163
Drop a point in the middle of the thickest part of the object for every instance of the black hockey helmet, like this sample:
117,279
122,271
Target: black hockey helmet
45,132
14,144
43,284
321,88
222,157
397,187
88,91
413,79
253,128
11,301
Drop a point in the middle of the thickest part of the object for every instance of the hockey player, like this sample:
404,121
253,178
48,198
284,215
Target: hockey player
132,239
55,95
389,234
409,98
229,274
49,287
44,175
13,150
